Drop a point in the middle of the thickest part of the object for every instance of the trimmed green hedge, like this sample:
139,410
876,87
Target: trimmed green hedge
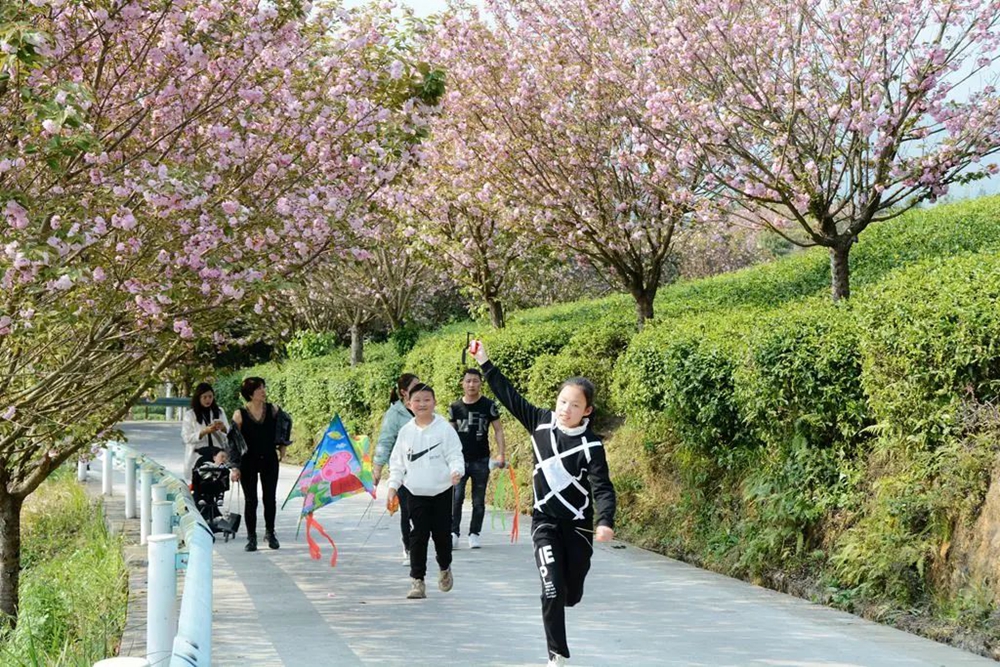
437,360
800,377
919,235
930,356
932,341
679,376
591,352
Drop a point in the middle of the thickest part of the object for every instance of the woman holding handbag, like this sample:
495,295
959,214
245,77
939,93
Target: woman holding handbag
266,442
201,423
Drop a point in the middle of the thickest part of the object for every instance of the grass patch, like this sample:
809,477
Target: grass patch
73,583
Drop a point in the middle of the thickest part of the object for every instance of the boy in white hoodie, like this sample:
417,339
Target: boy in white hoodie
428,460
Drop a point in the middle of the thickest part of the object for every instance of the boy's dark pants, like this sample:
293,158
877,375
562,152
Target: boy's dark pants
431,517
404,516
562,553
479,472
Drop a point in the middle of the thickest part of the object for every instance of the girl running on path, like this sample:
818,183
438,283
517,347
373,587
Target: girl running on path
570,463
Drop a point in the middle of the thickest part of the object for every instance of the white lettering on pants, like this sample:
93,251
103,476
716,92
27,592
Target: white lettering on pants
545,558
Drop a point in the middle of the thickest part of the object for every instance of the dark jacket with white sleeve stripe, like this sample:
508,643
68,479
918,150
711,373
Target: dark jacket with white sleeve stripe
570,466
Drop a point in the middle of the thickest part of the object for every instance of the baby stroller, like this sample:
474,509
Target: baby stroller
209,483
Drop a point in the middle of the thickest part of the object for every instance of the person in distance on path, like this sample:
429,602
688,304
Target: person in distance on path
201,424
472,415
258,422
395,417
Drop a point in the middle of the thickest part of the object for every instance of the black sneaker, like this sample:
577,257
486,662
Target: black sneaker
272,541
251,543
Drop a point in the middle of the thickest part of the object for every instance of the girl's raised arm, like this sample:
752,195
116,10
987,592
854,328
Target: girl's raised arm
529,415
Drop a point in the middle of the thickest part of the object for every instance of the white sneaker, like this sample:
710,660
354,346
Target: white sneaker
445,580
418,591
454,540
557,661
474,541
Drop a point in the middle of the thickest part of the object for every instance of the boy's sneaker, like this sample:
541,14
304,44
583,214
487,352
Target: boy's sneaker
454,540
406,557
474,541
418,591
557,661
445,580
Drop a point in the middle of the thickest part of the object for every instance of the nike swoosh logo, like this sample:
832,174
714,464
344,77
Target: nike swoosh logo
414,457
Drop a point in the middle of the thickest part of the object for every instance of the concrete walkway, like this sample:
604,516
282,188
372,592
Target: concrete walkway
282,608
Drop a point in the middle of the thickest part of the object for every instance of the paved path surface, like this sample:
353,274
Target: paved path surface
282,608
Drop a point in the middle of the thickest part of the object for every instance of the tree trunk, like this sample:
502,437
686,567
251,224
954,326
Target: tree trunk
643,304
357,345
10,556
496,313
840,270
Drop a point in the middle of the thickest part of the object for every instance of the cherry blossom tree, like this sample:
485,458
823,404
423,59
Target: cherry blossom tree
377,281
162,166
821,118
461,224
549,91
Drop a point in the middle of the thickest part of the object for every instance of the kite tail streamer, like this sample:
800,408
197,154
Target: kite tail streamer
314,551
514,529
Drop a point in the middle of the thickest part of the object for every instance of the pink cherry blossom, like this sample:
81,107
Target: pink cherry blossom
548,104
17,215
183,329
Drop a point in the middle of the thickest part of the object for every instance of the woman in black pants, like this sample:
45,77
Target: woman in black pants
257,423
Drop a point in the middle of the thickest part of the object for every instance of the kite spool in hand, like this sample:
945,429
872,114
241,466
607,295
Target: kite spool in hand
465,350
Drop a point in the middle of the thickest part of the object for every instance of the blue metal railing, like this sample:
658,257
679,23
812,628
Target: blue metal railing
192,644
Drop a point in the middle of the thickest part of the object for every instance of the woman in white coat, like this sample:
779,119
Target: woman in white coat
204,424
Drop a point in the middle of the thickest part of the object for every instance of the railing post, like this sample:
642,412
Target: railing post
193,645
169,393
146,505
163,512
81,470
130,486
107,485
161,601
159,492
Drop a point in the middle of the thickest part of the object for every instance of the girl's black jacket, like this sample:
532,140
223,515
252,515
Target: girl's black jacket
570,466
